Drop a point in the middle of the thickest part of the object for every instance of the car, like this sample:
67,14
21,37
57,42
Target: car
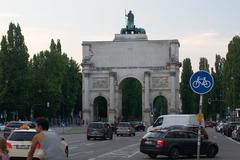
14,125
19,143
209,124
125,128
138,126
2,127
164,121
173,143
229,127
192,128
236,133
99,130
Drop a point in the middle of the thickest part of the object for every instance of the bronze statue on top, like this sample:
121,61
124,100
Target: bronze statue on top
130,28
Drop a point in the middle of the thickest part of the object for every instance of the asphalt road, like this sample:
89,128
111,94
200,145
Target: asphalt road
127,148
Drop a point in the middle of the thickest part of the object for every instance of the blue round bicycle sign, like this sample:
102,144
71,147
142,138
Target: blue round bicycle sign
201,82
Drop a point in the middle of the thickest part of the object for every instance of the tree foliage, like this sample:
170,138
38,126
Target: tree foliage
188,97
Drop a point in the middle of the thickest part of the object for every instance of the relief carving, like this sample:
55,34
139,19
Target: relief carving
101,82
160,82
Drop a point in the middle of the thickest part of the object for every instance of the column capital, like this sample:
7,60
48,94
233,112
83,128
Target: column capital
147,73
113,74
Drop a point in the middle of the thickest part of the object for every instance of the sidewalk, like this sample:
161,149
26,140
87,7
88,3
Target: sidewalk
70,129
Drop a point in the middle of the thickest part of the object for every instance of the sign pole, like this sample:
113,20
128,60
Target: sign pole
199,129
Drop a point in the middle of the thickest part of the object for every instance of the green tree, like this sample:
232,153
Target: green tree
232,74
203,65
216,105
188,97
14,72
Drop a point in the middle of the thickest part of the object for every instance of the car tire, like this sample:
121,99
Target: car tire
117,135
152,155
134,134
212,151
88,138
174,153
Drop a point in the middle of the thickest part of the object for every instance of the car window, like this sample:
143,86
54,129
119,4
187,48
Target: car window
154,135
192,135
158,122
22,136
95,125
180,134
14,125
170,135
124,125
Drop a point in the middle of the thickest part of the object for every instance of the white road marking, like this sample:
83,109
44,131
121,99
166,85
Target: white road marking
133,154
89,144
77,153
232,140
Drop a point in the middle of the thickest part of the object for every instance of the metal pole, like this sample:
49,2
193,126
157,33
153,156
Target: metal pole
199,130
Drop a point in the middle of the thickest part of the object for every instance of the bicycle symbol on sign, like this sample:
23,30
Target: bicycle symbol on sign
201,81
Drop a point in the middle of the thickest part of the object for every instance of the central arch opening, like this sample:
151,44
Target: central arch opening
131,99
100,109
160,107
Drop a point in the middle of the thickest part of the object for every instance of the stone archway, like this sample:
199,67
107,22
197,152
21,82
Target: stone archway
160,107
100,109
131,99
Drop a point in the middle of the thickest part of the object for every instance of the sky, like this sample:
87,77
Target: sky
203,27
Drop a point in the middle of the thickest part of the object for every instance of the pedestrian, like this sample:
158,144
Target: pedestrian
48,140
3,149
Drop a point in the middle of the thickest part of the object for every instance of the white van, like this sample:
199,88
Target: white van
165,121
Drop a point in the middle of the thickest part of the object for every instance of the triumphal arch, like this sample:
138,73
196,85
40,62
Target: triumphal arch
106,65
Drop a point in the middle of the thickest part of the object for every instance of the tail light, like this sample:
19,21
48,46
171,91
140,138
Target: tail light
160,143
8,145
38,146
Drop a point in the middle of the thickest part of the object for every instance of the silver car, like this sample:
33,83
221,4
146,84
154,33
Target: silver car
125,128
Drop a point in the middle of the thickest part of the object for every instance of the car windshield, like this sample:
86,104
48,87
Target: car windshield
95,125
154,135
21,136
124,125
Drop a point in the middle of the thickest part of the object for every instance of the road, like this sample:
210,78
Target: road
127,148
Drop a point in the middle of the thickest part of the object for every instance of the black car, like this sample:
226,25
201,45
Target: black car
99,130
138,126
192,128
174,143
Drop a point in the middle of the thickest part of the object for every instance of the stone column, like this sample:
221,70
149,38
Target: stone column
111,109
172,108
86,108
147,109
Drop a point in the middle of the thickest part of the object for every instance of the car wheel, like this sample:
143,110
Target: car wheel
212,151
134,134
117,134
174,153
66,151
152,155
88,137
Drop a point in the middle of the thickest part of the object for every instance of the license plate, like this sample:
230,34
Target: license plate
22,146
148,142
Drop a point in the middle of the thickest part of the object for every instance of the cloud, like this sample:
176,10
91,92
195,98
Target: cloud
9,15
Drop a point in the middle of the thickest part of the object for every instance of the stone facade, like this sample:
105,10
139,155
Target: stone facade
106,64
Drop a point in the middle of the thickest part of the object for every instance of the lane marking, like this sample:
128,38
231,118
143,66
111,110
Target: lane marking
89,144
233,140
133,154
77,153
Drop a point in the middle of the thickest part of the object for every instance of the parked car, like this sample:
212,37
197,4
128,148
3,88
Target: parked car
192,128
138,126
125,128
209,124
99,130
229,127
14,125
174,143
236,133
19,143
